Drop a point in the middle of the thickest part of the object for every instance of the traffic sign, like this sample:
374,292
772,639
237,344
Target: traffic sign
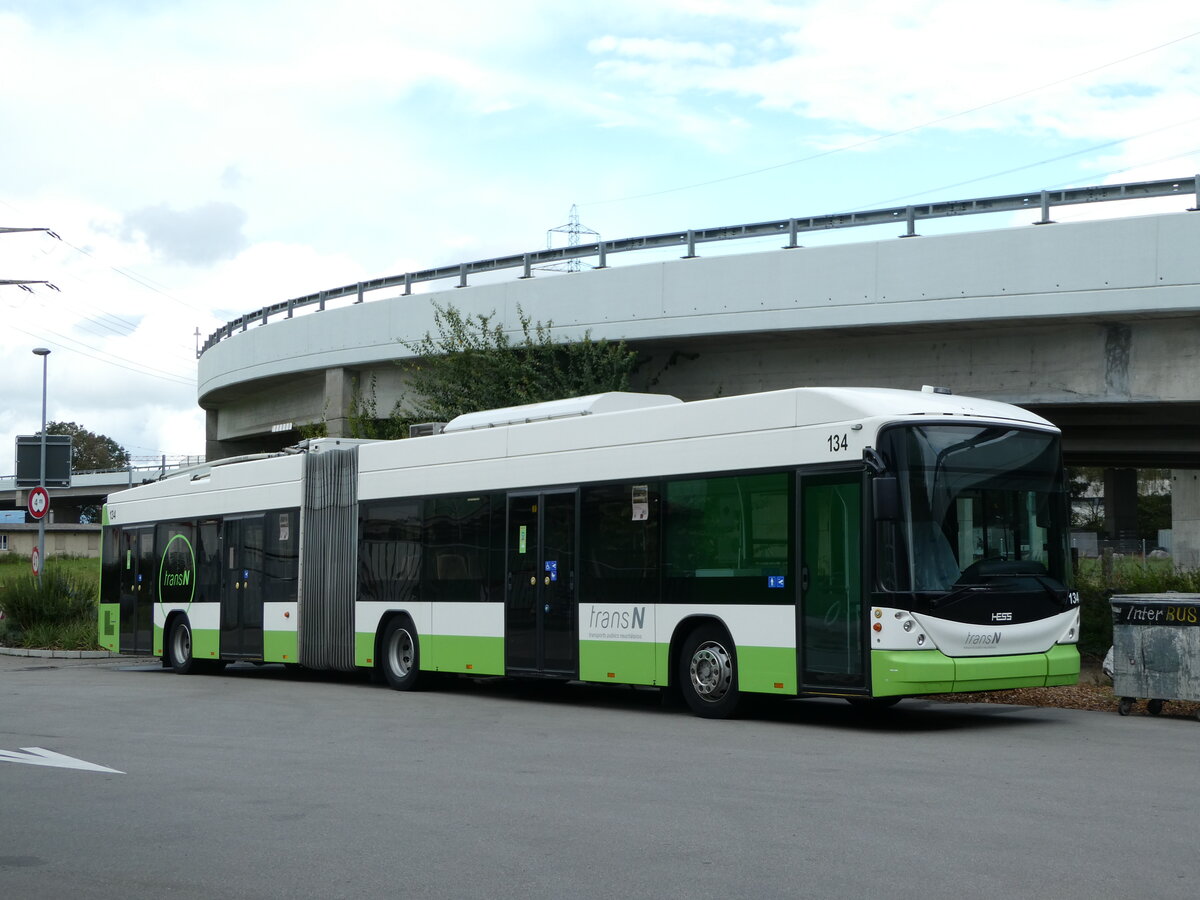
36,559
39,502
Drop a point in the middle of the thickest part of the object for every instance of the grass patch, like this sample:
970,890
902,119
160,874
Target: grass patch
14,567
77,635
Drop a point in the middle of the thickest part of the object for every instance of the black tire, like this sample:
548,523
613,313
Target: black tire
1154,707
1124,706
179,648
707,673
400,655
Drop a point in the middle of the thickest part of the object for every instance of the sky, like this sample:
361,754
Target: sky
199,159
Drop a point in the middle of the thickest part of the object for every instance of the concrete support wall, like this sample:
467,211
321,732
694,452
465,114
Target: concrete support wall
1028,363
1185,518
339,392
1120,503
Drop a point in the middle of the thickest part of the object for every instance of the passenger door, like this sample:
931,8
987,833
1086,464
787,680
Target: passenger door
137,589
540,601
242,588
831,622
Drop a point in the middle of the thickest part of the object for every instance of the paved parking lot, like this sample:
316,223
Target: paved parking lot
259,783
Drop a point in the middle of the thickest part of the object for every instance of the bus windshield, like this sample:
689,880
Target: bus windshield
978,502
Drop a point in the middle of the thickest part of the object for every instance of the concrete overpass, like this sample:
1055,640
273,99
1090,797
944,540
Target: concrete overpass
87,489
1095,325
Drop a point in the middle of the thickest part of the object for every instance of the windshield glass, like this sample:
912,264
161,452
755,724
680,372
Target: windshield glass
979,502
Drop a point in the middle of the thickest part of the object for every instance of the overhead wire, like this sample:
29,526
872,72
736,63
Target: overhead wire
142,281
1045,162
892,134
148,371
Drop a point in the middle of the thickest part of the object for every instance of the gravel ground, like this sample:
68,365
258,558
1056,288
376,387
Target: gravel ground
1094,692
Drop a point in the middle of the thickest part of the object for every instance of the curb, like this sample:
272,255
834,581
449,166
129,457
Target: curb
58,654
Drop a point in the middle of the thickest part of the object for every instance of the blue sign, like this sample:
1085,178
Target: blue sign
775,581
552,569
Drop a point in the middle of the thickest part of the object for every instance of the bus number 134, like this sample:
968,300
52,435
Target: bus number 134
837,443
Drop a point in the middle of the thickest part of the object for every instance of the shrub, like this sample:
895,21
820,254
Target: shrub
77,635
1096,588
62,602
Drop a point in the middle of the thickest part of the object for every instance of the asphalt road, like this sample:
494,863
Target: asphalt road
257,783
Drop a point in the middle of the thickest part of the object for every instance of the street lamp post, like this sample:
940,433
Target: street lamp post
43,352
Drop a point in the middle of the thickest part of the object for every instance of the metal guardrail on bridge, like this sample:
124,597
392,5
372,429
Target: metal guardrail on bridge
791,228
127,476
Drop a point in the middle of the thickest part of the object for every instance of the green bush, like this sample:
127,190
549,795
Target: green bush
60,599
58,615
1123,576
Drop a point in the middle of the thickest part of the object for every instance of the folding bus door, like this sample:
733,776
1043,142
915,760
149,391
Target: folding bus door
136,580
242,588
540,601
831,625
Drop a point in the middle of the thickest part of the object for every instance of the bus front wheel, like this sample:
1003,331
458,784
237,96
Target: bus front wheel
708,673
400,655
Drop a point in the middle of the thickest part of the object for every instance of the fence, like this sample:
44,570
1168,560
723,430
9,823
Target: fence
688,240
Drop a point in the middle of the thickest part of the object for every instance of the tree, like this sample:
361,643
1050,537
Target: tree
90,451
472,364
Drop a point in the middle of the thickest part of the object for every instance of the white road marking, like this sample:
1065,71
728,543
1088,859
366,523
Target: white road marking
38,756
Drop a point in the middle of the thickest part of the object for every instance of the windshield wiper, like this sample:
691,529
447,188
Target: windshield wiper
958,594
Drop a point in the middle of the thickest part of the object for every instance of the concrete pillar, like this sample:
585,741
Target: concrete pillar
1185,518
212,444
1120,503
339,391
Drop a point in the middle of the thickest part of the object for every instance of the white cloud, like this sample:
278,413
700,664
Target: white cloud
663,50
963,66
259,151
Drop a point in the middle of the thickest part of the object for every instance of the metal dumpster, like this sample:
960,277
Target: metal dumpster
1156,649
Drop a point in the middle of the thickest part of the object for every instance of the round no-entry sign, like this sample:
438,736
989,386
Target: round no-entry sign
39,502
36,561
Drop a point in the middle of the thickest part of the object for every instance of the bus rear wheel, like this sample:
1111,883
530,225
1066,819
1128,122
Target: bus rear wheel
400,655
179,648
708,673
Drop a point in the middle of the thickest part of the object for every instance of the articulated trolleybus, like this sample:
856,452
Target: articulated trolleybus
839,542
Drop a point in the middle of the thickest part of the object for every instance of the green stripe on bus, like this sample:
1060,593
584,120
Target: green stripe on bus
473,655
108,628
280,646
1062,664
896,673
981,673
767,670
206,643
443,653
900,672
364,648
619,662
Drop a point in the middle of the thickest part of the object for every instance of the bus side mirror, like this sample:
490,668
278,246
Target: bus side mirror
885,496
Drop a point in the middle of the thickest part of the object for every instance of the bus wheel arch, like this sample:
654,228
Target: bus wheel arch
704,665
398,652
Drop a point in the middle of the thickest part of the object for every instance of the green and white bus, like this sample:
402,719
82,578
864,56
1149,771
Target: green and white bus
859,543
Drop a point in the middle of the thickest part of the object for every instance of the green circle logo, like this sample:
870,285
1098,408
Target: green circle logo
177,573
